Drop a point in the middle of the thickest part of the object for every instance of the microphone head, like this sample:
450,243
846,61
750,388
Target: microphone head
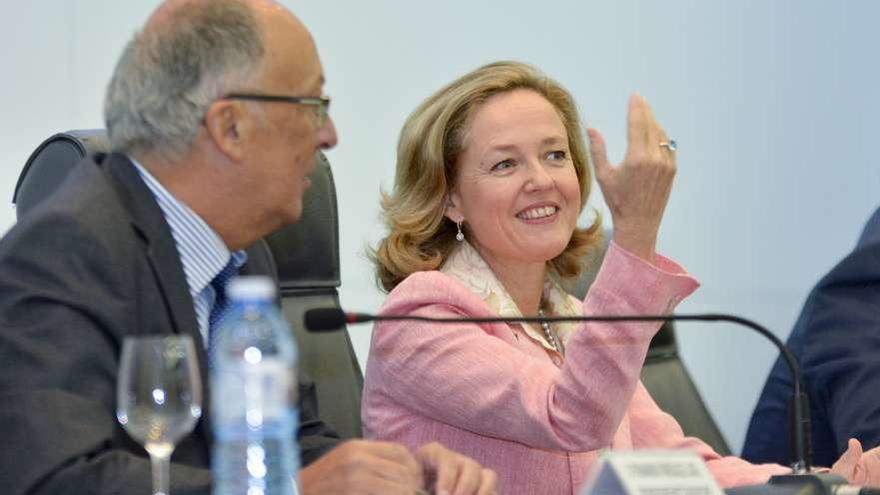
324,319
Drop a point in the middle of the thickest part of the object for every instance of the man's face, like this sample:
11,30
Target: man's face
282,150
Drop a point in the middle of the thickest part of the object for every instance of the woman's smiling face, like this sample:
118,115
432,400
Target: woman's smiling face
516,187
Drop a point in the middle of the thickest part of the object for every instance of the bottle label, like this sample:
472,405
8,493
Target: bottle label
259,393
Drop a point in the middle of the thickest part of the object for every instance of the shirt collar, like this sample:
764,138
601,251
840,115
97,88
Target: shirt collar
467,266
203,254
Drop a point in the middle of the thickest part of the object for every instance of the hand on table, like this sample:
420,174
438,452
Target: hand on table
363,467
858,467
369,467
454,474
637,189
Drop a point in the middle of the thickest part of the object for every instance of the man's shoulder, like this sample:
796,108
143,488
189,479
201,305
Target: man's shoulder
85,204
86,191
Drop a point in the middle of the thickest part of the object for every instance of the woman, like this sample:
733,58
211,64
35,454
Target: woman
491,178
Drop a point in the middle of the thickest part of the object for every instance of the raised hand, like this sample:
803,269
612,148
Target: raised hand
637,189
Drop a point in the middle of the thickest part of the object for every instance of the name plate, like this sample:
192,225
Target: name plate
650,472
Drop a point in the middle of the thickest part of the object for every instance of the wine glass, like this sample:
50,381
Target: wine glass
159,397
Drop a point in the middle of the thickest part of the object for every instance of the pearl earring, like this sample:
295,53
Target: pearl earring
460,235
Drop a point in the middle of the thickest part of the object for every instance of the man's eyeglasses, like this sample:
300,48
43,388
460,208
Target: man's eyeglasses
321,104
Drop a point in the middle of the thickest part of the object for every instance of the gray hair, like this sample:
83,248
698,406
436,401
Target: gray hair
166,78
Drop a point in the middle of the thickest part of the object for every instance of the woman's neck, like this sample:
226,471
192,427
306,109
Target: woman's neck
523,281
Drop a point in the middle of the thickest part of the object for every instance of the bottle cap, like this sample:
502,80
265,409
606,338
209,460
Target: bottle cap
251,287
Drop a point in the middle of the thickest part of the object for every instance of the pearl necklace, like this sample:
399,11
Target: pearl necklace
552,338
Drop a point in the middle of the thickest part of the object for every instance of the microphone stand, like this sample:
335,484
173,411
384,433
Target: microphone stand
322,319
801,482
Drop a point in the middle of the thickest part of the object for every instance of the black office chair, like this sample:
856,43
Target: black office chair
306,254
664,373
50,163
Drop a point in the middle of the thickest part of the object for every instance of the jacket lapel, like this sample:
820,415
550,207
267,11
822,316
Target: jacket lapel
149,222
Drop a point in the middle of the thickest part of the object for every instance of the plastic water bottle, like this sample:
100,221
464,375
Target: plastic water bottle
253,395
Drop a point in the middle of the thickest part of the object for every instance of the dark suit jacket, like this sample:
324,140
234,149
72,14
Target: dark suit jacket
837,342
92,264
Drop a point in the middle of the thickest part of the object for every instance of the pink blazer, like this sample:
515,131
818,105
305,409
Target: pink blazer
490,392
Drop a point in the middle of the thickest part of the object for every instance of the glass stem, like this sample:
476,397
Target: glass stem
161,473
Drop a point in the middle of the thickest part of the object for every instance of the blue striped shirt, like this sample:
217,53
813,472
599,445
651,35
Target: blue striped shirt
203,253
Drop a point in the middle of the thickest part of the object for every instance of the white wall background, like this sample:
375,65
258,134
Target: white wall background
774,105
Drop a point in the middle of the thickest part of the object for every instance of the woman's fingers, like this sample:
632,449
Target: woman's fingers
637,190
638,125
599,155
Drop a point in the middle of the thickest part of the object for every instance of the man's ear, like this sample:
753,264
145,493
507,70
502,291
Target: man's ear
225,122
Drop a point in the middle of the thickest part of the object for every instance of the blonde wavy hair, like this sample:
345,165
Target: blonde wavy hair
420,236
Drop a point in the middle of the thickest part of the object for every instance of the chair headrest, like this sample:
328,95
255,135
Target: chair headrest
50,163
307,252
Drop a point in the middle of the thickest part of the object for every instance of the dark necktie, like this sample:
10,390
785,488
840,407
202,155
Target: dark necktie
221,302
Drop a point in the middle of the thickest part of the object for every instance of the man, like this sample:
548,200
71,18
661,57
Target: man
129,244
837,342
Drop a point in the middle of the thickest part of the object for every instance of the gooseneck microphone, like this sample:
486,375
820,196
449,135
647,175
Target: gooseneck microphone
328,319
